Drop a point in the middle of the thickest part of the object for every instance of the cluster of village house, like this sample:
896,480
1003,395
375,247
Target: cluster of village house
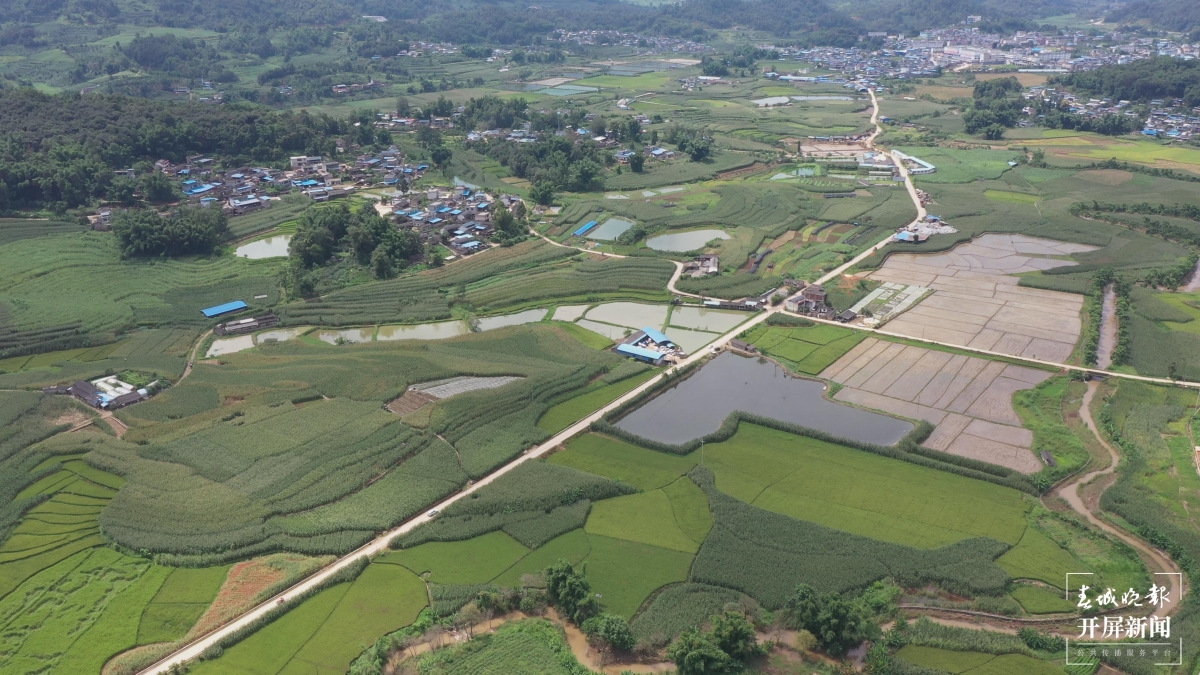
459,217
965,45
1168,118
106,393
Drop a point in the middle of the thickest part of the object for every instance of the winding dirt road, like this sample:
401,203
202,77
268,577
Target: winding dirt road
1166,572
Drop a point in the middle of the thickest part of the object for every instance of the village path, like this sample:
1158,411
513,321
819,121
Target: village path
670,284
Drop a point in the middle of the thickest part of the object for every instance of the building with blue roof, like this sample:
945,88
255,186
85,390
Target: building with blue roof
642,354
235,306
586,228
657,336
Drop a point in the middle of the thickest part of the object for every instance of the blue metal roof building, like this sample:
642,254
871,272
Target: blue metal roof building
647,355
587,226
657,336
226,308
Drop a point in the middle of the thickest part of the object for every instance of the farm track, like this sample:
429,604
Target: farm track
1157,561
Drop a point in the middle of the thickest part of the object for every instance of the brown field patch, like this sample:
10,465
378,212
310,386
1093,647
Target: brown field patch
969,399
1026,79
251,582
410,402
753,168
72,418
1107,176
976,301
944,92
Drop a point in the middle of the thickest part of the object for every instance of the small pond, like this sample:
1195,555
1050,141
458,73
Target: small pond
569,312
699,404
611,229
280,334
231,345
690,341
348,334
527,316
702,318
607,330
424,331
685,241
630,314
271,247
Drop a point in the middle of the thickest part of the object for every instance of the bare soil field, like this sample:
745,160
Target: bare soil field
976,300
969,399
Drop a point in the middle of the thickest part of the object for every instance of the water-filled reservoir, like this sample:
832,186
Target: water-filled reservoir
699,404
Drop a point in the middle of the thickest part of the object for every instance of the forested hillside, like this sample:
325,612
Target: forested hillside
64,148
1141,81
1181,15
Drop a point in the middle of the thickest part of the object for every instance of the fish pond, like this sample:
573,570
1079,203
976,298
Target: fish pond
611,229
270,247
699,404
684,241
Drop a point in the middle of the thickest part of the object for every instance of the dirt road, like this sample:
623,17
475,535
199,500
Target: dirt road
1165,571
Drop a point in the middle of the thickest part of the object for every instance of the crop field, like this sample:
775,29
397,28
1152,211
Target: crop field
805,350
766,554
16,229
978,302
1038,600
975,663
515,277
969,399
674,517
532,647
70,291
680,607
266,475
474,561
962,166
287,209
185,595
616,459
624,573
1088,146
563,415
861,493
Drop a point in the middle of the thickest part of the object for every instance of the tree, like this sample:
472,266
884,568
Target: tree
698,149
695,653
994,132
189,230
612,630
157,188
839,627
440,156
122,190
802,608
542,193
381,264
570,591
637,162
428,137
736,636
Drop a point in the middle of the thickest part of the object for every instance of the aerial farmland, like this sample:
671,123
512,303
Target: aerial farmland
591,351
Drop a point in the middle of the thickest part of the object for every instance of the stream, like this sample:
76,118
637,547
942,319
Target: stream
1193,283
1108,329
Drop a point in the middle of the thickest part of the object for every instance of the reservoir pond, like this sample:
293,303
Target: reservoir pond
685,241
699,404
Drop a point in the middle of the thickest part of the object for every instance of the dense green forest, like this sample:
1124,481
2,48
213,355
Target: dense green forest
511,23
1180,15
60,151
1141,81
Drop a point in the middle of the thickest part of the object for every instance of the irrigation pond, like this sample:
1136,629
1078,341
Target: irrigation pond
699,404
